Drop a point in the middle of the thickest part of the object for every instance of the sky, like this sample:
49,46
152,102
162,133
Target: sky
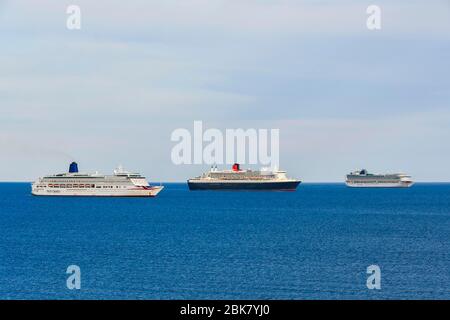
343,96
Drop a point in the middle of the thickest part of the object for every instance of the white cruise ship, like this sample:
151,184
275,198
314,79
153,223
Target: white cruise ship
73,183
364,179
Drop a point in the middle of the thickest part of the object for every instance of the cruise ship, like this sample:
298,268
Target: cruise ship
363,179
237,179
73,183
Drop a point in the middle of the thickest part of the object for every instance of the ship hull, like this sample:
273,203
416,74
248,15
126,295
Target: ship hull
380,185
243,186
150,192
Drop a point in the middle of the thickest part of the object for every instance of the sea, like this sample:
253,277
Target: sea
315,243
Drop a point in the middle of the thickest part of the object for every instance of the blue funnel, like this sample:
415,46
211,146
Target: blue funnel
73,167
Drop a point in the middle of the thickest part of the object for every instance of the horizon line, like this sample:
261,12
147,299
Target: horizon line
185,181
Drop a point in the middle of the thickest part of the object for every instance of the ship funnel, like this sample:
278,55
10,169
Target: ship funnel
73,168
236,167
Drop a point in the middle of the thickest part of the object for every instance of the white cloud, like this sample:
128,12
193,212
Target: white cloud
221,18
114,91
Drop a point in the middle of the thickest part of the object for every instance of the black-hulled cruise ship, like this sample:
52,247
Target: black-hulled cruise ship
238,179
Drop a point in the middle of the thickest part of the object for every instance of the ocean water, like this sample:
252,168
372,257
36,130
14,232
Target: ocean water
315,243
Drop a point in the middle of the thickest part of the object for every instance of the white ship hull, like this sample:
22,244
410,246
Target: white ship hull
400,184
138,192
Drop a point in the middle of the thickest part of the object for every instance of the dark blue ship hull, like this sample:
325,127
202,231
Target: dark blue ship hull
244,186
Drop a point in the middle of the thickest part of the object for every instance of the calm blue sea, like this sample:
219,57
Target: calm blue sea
315,243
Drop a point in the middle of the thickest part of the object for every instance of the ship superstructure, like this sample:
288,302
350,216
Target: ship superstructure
238,179
73,183
362,178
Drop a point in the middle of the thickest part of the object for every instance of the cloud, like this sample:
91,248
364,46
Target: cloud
329,148
201,19
115,90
